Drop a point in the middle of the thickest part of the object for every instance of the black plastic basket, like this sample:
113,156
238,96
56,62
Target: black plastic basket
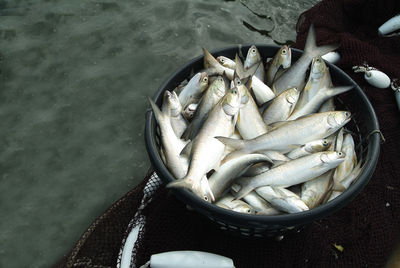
366,134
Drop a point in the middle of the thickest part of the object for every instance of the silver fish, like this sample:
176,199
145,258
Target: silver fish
281,107
314,191
295,75
347,181
172,147
310,148
260,205
316,80
315,103
211,97
300,131
228,201
192,91
222,178
292,172
254,58
282,199
282,59
350,161
250,123
172,107
207,151
226,62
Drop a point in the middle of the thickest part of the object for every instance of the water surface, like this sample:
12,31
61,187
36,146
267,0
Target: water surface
74,82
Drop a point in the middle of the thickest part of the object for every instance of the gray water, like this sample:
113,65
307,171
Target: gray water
74,81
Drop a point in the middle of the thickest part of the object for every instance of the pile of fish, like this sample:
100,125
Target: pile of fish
259,138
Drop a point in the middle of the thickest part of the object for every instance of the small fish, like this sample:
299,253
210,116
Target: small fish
236,205
226,62
211,97
221,179
315,103
172,107
261,91
346,182
253,58
281,107
317,79
295,75
282,199
260,205
206,151
192,91
300,131
310,148
292,172
314,191
281,60
250,123
350,161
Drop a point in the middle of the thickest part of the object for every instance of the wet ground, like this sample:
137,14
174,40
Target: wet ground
74,82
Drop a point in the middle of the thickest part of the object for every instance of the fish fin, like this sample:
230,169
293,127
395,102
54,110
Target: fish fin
311,45
234,143
239,69
157,112
209,60
337,186
338,90
187,150
244,183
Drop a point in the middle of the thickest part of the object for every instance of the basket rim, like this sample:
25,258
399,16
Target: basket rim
284,219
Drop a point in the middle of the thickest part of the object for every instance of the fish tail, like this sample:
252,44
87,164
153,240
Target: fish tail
209,60
311,45
234,143
338,90
157,112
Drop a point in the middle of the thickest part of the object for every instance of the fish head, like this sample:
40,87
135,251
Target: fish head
231,102
338,118
203,81
224,61
318,65
244,208
253,56
332,158
190,110
285,57
292,95
174,104
318,146
243,92
218,86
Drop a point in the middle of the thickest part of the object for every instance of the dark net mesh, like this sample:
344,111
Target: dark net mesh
368,228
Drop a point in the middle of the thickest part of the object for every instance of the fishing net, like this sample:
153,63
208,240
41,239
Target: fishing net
366,231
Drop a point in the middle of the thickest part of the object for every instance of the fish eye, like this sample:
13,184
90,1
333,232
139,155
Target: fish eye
325,143
318,60
248,211
340,153
347,114
284,51
253,51
205,198
205,79
238,81
234,91
222,60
